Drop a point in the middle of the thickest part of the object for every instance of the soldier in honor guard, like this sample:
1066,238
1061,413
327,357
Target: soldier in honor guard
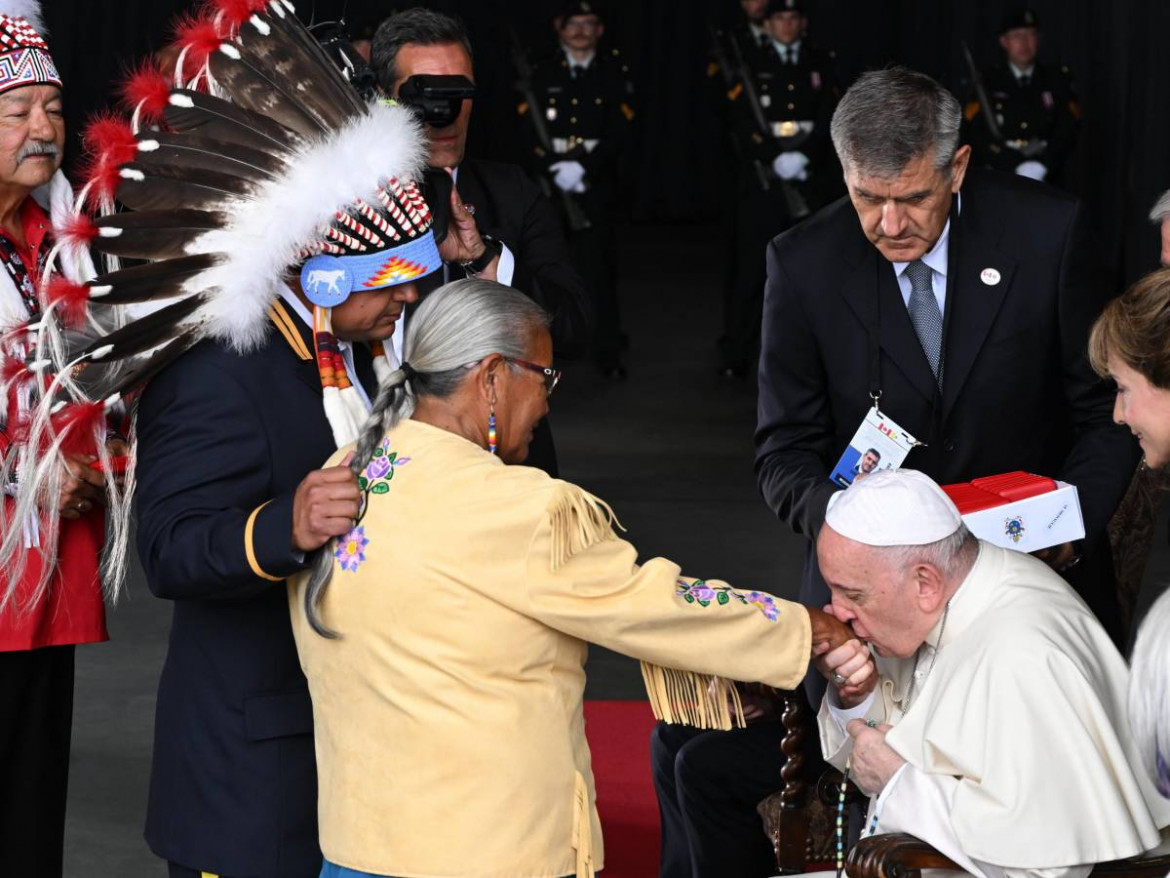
583,97
1034,107
751,30
781,101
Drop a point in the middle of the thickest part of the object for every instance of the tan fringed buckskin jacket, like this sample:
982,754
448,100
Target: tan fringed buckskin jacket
448,713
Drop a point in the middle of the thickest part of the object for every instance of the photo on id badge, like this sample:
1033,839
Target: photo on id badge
878,444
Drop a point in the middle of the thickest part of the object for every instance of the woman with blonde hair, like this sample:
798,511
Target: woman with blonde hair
444,637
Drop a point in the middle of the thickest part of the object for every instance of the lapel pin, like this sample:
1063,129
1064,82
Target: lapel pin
989,276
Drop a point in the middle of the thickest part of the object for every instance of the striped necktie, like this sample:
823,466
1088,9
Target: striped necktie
925,315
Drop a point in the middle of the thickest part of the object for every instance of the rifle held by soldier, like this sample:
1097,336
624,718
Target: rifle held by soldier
574,214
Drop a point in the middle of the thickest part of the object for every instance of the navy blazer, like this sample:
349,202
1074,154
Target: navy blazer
223,441
1018,392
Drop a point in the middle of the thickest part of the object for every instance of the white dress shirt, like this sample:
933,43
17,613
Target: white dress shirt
789,53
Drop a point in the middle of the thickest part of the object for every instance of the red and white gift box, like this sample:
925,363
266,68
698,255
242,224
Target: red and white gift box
1019,510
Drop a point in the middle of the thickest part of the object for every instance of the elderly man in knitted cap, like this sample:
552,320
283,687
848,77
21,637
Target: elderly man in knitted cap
48,604
982,705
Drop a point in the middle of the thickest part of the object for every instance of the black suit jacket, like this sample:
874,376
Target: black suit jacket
510,207
233,787
1018,391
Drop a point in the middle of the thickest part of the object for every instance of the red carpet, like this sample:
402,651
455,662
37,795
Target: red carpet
619,737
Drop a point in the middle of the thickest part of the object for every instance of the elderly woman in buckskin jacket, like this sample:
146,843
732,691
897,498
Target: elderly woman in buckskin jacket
444,636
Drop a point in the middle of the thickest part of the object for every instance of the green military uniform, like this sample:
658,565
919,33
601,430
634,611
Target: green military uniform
588,113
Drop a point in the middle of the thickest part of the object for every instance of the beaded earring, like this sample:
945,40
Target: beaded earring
492,444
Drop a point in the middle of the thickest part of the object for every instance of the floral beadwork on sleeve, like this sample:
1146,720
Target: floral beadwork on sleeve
375,479
704,594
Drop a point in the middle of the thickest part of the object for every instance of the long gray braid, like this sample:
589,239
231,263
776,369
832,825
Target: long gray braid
455,328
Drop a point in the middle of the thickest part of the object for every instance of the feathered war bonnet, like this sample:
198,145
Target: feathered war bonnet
24,55
255,158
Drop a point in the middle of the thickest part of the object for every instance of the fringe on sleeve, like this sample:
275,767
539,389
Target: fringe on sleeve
578,520
702,701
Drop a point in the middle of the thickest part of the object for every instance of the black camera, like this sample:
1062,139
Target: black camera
436,99
334,40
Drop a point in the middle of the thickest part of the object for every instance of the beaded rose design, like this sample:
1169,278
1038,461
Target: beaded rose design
704,594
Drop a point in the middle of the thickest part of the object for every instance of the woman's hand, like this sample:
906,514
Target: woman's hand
827,629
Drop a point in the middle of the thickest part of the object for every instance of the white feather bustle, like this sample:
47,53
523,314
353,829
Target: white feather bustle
30,10
268,233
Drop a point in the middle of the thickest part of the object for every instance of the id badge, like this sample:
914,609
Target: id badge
879,444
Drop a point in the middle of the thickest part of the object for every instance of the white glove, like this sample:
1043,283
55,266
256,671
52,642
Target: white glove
791,166
1032,169
569,176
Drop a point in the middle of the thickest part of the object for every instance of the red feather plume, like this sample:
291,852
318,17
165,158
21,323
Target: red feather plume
198,36
233,13
78,231
109,143
69,300
108,138
80,423
147,90
13,369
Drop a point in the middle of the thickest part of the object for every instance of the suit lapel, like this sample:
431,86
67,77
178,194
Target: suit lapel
872,288
972,303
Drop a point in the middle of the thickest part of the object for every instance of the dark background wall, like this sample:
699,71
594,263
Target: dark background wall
1115,50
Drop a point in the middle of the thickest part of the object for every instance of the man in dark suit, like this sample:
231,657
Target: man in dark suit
231,500
963,301
503,228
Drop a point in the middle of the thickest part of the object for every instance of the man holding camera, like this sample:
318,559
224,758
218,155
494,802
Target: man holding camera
502,227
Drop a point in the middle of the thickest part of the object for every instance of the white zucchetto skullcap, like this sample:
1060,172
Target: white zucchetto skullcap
893,508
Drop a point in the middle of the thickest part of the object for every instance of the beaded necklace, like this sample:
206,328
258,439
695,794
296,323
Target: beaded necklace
841,796
24,283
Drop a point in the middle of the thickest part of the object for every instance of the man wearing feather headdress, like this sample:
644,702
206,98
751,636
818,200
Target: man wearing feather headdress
282,230
46,607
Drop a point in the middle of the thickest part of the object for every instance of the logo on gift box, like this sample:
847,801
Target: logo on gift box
1014,528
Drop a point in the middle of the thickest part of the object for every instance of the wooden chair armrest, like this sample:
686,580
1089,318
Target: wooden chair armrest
894,855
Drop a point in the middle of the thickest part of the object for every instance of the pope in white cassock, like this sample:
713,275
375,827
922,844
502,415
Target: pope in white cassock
982,706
